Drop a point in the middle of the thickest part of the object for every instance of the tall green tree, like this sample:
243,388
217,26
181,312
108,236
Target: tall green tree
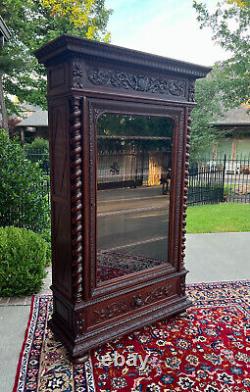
228,85
230,27
208,106
34,23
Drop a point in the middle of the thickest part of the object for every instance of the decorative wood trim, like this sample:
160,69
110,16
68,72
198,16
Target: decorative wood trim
185,190
74,46
136,82
155,295
99,78
113,310
79,323
76,186
191,91
77,74
94,113
117,308
182,287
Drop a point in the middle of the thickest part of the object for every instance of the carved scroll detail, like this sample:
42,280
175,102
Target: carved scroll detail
116,308
76,195
154,295
136,82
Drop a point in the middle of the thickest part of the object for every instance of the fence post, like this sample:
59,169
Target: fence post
223,176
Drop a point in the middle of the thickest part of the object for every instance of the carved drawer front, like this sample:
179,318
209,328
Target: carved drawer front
117,307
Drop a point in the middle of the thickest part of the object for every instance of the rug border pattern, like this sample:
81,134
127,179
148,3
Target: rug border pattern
19,384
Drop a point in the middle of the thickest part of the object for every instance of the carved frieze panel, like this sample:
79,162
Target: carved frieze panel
119,79
136,82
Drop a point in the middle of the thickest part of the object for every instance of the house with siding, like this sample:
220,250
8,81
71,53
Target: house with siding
35,125
235,126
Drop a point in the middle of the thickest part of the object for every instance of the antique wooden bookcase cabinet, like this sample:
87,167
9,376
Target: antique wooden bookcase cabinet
119,123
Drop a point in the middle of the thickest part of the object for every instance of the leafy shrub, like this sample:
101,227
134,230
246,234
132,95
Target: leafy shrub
38,151
46,235
39,144
22,261
23,189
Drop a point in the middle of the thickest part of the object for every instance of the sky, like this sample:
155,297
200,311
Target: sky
164,27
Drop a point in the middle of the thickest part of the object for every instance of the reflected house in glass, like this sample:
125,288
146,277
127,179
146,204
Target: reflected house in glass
119,123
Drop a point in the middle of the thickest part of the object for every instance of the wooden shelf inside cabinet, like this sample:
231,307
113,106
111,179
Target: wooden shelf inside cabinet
119,123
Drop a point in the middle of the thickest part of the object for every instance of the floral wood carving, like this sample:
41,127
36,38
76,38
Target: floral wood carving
118,308
115,309
154,295
136,82
77,75
76,195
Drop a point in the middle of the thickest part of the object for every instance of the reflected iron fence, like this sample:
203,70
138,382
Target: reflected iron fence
214,180
121,169
211,180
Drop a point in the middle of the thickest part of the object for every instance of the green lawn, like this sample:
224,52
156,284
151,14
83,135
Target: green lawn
216,218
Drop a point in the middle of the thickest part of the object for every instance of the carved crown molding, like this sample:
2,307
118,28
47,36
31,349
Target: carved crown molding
65,46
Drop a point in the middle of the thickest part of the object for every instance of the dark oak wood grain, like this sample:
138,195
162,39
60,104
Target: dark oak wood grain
85,80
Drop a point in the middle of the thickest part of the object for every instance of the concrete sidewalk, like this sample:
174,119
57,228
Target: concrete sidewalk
209,257
218,256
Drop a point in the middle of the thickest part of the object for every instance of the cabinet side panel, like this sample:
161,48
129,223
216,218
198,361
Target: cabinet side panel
60,196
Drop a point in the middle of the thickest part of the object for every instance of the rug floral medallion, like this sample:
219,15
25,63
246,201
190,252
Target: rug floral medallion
206,349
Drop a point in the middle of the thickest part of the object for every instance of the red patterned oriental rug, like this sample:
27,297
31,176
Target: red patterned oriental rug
205,350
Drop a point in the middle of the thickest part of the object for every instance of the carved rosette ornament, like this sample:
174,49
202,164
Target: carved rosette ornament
77,75
76,195
185,192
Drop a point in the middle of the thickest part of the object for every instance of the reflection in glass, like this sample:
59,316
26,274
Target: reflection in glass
133,182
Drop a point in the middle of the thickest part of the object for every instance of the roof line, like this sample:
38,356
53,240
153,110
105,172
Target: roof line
4,29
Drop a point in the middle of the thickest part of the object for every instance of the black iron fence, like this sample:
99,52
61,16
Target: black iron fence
42,159
214,180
